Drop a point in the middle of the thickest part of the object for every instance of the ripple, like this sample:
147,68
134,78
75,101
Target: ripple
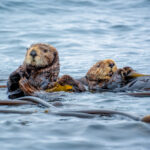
84,32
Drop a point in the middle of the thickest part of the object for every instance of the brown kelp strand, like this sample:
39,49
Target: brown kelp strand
108,113
35,100
139,94
3,86
59,104
146,119
74,114
136,74
3,79
112,112
14,102
94,113
70,114
4,111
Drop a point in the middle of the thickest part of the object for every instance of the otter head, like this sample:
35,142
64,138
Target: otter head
40,56
102,70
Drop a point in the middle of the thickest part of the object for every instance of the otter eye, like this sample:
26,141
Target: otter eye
45,50
111,65
98,66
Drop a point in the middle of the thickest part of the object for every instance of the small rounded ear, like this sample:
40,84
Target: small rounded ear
55,53
98,65
54,59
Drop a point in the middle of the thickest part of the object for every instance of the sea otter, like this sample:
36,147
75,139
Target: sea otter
96,76
104,76
99,74
39,71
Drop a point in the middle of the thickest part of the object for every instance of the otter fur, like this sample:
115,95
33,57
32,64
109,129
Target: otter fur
39,71
104,76
67,84
99,74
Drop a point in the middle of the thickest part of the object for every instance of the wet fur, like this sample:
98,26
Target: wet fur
36,73
77,86
100,73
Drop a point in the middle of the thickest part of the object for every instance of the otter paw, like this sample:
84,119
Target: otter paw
26,87
122,73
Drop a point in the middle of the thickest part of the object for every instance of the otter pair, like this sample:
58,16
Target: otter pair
40,71
41,68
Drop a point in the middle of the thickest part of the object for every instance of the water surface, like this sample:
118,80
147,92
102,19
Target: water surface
83,31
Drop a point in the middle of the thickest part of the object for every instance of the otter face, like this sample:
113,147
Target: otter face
40,55
102,70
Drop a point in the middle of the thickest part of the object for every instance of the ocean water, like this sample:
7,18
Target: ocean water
83,31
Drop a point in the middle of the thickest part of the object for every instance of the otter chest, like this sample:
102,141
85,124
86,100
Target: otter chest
39,80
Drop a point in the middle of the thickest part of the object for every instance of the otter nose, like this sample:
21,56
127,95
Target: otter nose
33,53
111,65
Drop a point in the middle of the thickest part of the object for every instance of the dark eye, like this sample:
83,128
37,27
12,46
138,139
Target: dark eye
45,50
98,66
111,65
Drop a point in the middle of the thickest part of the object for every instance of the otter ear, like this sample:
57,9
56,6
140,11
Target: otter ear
55,54
55,58
98,65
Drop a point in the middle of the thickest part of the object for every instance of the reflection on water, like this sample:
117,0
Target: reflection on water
83,31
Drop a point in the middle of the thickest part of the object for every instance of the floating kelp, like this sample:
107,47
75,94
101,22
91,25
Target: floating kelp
4,111
57,88
3,79
14,102
94,113
35,100
3,86
139,94
72,113
135,75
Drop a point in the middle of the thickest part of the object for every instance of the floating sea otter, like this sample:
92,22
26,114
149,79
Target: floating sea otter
96,77
104,75
39,70
99,74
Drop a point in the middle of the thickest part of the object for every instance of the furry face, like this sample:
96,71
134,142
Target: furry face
40,55
102,70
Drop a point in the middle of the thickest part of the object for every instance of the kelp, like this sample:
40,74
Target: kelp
57,88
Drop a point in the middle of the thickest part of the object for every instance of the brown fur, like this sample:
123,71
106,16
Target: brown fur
119,78
37,71
66,79
100,73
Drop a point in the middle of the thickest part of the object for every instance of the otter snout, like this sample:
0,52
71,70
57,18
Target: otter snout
111,65
33,53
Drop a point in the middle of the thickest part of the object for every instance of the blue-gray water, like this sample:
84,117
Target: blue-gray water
83,31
